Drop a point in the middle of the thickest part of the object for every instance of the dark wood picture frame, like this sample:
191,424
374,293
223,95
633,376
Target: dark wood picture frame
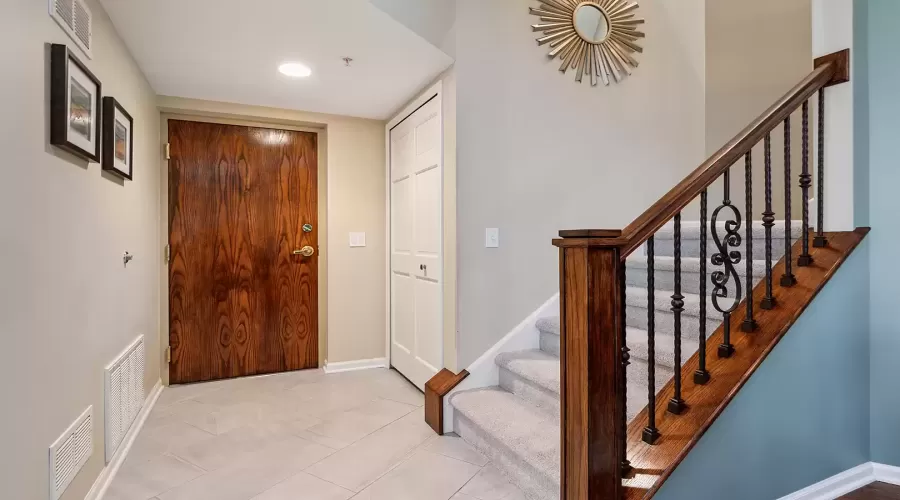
60,55
110,106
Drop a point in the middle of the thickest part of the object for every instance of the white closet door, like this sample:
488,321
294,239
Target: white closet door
416,244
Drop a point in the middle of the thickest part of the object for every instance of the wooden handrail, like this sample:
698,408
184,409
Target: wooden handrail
828,70
593,339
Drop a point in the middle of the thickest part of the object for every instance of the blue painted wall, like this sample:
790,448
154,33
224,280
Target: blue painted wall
798,419
884,214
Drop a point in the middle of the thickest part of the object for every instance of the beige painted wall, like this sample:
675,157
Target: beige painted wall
448,113
755,52
538,152
353,200
67,305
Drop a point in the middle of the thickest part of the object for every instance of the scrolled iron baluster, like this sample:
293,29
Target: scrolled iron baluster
787,279
768,221
728,259
651,433
701,376
819,241
676,404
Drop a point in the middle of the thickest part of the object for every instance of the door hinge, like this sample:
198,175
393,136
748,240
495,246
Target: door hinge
168,253
168,151
169,354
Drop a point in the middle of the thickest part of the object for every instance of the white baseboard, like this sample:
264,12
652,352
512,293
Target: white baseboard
98,490
847,481
349,366
484,371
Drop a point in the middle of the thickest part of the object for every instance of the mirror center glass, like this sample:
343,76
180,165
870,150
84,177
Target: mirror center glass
591,23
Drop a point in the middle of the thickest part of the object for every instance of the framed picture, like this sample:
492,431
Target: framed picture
74,105
118,139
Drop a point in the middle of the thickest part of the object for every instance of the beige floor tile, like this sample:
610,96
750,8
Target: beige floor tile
140,480
178,393
460,496
364,461
157,440
455,447
336,444
491,484
352,425
424,476
253,475
239,445
304,487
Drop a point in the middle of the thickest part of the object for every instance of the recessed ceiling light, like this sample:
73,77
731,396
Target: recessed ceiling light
295,69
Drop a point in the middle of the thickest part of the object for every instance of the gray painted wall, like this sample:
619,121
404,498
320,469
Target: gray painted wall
538,152
802,417
884,170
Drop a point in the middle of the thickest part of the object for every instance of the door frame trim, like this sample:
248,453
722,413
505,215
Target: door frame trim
321,215
448,222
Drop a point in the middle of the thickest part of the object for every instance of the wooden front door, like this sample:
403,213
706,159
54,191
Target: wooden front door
242,205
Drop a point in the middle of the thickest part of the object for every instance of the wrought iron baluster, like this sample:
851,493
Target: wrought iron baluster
819,241
676,404
651,433
749,323
768,219
787,279
728,259
624,463
701,376
805,258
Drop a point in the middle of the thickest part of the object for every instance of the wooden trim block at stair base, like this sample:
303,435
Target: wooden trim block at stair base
841,61
591,374
435,389
654,464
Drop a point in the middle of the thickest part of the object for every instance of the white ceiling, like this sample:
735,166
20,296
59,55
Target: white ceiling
229,50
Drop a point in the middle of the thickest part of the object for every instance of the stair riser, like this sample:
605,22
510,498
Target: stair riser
636,317
691,248
550,345
532,482
548,400
690,281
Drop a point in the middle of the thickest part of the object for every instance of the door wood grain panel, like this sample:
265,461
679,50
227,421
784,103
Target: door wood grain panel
240,302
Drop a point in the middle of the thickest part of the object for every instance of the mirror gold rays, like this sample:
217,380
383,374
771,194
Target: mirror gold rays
594,37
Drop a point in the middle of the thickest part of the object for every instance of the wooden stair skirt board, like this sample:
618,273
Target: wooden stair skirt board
435,389
654,464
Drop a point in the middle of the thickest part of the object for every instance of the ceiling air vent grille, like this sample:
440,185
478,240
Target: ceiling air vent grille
70,452
75,18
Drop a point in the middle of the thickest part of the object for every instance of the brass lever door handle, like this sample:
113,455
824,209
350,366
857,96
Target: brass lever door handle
306,251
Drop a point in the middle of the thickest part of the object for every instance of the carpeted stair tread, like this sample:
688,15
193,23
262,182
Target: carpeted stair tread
637,297
538,367
692,265
690,230
515,425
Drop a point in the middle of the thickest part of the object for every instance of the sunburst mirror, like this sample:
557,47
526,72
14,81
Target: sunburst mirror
594,37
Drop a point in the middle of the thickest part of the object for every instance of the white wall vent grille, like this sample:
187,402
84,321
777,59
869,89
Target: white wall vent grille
75,18
124,379
70,452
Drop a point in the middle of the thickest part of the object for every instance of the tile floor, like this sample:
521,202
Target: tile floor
302,436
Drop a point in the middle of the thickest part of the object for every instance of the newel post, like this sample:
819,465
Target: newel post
592,353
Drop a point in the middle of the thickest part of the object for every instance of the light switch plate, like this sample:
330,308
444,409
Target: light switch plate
492,237
357,239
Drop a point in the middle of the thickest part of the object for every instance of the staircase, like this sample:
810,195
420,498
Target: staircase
661,323
516,424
